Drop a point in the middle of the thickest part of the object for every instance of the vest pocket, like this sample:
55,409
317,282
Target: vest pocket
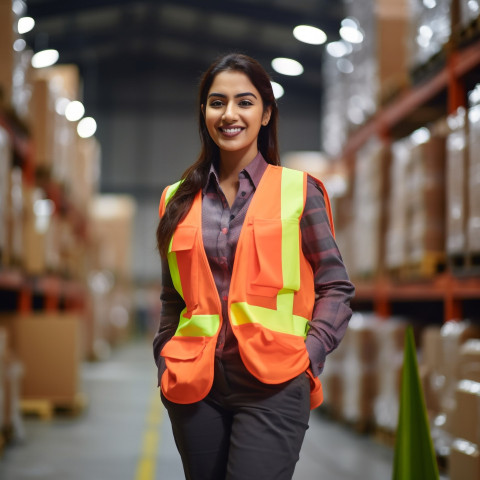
265,263
189,369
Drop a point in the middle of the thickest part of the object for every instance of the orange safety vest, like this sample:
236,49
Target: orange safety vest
271,295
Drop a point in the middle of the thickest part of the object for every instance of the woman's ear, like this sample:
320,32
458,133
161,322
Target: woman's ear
202,108
266,116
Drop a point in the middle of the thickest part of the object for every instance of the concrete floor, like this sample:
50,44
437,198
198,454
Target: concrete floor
124,434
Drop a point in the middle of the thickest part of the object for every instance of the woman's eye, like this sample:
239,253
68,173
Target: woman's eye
216,103
245,103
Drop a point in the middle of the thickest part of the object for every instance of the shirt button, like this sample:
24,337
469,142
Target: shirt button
244,193
225,298
232,217
224,230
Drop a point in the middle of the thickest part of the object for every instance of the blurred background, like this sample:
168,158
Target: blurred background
380,99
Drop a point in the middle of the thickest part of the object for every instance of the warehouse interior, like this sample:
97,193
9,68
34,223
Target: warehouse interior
98,114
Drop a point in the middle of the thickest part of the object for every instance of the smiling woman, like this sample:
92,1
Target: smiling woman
254,291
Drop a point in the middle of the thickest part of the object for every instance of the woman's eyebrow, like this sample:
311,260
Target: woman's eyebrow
221,95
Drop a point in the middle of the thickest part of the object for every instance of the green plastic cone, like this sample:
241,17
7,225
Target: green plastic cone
414,453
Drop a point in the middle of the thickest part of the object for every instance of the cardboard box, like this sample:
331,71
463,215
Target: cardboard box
49,347
468,363
466,424
7,37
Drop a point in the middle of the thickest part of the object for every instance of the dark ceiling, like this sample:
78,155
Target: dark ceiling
121,45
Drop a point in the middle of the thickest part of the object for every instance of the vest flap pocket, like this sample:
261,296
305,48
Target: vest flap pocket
183,348
183,238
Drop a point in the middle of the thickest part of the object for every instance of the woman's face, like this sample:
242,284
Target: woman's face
234,113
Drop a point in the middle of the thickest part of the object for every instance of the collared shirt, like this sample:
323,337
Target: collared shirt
221,226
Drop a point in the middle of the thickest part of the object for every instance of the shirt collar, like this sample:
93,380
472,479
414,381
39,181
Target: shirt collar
255,170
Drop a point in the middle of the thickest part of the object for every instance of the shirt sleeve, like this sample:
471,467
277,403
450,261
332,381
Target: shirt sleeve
333,289
172,304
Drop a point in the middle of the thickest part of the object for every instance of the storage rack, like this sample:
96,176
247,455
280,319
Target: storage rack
20,292
438,95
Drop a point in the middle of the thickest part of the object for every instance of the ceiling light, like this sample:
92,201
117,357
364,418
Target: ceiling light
45,58
287,66
86,127
308,34
25,24
74,111
339,49
344,65
278,90
351,34
350,22
19,45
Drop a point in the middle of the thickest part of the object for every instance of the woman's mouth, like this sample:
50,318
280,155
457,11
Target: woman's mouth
230,131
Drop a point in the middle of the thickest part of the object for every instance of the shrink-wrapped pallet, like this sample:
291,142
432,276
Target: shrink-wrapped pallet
425,201
430,29
395,248
456,183
5,166
360,370
473,242
370,178
390,337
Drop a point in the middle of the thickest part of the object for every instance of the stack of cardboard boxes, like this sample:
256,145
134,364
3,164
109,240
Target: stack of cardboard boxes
450,372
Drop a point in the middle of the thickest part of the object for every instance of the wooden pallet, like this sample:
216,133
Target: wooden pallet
465,34
46,408
431,264
467,264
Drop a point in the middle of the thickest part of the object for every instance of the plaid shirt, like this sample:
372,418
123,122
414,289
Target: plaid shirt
221,226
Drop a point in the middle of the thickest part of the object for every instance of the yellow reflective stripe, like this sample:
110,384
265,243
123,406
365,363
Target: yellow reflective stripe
275,320
172,256
174,271
197,325
291,210
171,191
292,193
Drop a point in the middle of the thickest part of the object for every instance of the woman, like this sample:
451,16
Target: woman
255,294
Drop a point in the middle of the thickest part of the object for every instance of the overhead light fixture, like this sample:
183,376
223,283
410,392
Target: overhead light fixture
309,34
87,127
19,45
25,25
278,90
339,49
345,66
287,66
350,30
74,111
352,35
45,58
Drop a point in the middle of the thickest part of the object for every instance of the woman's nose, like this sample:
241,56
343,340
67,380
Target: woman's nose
230,113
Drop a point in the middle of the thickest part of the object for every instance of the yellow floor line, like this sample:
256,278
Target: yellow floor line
151,440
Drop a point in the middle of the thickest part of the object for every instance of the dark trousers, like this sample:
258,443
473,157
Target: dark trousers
244,429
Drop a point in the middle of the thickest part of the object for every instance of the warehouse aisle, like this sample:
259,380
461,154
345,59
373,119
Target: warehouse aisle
124,434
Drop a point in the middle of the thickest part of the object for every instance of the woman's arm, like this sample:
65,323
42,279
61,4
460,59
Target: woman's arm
333,289
172,305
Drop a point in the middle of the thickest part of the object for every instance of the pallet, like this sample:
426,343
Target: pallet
428,267
465,34
46,408
464,264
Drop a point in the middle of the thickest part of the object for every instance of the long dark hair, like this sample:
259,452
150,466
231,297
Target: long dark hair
195,177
